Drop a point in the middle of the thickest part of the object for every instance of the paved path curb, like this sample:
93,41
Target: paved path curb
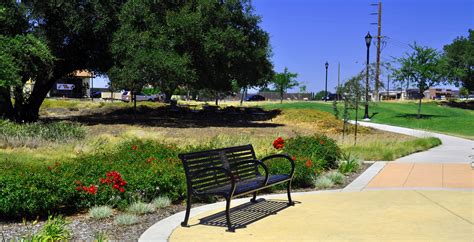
361,182
452,150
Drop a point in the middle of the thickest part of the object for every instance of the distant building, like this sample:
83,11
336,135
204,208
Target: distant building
440,93
74,86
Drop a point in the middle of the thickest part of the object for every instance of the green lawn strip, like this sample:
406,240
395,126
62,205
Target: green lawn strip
391,150
437,118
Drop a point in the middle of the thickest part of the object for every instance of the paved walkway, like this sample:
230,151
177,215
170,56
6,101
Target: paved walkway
359,216
424,175
452,150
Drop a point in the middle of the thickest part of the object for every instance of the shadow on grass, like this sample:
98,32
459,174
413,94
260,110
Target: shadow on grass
423,116
175,117
246,213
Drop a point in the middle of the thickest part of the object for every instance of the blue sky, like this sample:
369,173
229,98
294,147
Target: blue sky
304,34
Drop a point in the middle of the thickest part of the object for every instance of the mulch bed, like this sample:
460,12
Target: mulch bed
84,228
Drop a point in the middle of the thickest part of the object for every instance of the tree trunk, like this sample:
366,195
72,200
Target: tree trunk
217,100
6,106
242,96
281,97
419,107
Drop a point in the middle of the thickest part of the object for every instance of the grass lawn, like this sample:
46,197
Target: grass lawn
437,118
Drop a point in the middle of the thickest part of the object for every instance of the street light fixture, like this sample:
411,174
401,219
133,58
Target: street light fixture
326,88
368,39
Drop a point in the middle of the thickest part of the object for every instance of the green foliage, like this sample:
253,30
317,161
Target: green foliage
318,148
126,219
319,95
312,155
55,229
141,208
323,182
101,237
336,177
149,169
422,68
100,212
459,56
348,163
284,81
33,134
161,202
201,45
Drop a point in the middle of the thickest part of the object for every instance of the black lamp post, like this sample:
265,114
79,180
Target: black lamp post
326,88
368,39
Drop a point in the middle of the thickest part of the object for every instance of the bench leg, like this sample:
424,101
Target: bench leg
290,202
227,215
254,199
188,210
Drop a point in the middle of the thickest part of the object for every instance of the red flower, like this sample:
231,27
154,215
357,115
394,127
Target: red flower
122,190
293,158
78,189
134,147
279,143
92,189
321,142
308,163
116,186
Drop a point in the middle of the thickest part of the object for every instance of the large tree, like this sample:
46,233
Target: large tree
201,44
284,81
423,68
459,56
77,34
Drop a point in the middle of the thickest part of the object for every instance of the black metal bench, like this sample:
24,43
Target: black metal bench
230,172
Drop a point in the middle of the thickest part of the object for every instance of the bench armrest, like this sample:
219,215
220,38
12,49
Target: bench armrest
220,169
292,162
257,162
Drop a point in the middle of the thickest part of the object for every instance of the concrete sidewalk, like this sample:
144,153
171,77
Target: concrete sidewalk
352,216
452,150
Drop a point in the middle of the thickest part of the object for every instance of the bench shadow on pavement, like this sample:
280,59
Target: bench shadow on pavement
246,213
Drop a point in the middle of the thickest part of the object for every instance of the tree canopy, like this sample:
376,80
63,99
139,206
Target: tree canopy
284,81
210,45
459,56
423,68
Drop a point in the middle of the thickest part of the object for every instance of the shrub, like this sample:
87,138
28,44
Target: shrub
100,212
348,163
36,134
323,182
161,202
55,229
141,208
148,168
312,155
126,219
336,177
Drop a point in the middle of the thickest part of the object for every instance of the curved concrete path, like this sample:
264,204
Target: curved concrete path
452,150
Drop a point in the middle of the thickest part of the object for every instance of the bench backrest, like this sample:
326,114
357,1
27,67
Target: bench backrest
200,177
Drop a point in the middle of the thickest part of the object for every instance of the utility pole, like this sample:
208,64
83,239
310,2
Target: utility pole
379,38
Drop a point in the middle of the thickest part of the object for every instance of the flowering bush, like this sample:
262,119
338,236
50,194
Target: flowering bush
312,155
114,177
